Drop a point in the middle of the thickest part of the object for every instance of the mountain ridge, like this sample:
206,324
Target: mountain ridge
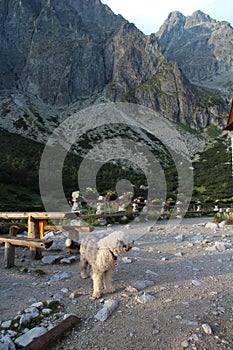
70,55
202,47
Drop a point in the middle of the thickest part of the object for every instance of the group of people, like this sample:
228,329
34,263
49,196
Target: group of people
78,199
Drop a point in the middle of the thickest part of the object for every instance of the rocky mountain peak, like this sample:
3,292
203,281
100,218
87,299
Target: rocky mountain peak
198,17
70,54
174,22
202,47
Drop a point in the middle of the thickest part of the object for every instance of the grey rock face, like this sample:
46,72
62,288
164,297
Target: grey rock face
70,54
54,49
202,47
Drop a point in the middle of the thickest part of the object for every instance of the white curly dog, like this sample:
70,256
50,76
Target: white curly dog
100,256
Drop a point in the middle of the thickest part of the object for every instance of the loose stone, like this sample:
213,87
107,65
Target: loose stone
141,284
206,328
185,344
179,238
196,282
60,276
144,298
26,338
107,310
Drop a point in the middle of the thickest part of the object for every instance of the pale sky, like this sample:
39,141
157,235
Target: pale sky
149,15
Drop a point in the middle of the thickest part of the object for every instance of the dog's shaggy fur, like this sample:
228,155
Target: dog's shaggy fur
101,256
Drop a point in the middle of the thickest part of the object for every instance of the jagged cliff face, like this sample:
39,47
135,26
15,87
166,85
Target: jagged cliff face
54,49
73,53
203,48
64,51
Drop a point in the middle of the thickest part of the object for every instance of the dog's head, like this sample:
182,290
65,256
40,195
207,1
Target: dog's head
122,246
117,241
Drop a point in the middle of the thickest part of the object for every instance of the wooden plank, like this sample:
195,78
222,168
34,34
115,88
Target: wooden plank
13,215
36,215
51,227
48,215
45,341
56,215
25,242
68,228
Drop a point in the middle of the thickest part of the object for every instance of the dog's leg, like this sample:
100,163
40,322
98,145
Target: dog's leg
107,281
84,265
97,284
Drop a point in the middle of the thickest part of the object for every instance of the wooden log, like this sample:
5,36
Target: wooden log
25,242
45,341
12,241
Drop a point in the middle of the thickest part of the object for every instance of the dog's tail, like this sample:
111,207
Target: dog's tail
73,246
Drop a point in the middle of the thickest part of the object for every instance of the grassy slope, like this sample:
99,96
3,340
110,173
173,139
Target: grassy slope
213,172
20,160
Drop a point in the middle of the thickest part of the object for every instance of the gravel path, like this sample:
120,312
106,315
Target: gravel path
185,302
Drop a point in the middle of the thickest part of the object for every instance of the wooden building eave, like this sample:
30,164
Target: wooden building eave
230,119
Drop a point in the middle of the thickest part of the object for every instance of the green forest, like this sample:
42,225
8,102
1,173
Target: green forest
20,162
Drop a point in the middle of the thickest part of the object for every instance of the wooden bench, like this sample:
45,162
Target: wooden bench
35,245
37,222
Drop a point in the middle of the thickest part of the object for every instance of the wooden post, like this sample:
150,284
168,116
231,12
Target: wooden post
42,224
9,255
34,232
9,252
13,230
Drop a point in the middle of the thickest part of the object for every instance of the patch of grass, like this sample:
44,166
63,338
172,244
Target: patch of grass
213,131
25,270
36,321
55,250
213,174
54,305
40,272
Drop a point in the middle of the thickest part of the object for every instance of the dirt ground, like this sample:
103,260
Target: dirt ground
191,282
